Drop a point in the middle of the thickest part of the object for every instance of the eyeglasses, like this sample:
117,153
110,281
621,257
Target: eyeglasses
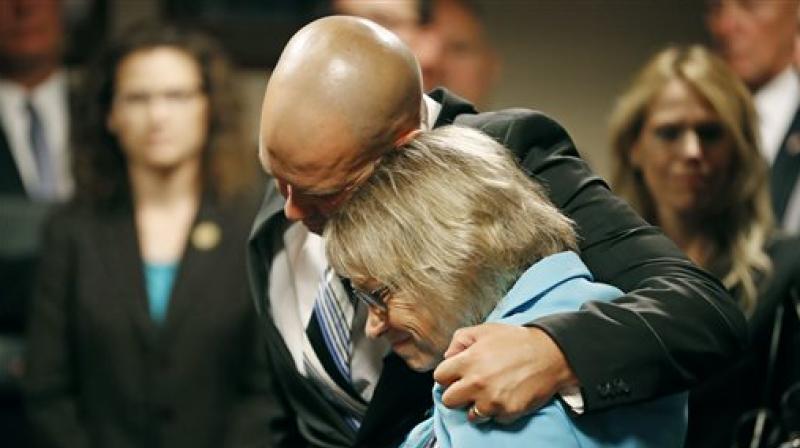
375,298
175,98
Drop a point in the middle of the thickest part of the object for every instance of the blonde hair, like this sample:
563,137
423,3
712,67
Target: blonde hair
743,216
448,218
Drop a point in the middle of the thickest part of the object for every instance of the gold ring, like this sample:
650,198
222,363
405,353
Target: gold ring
479,416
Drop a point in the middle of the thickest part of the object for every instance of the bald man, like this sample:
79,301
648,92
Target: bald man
344,92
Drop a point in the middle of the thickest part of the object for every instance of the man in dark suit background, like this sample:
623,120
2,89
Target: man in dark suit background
33,101
757,39
34,172
344,91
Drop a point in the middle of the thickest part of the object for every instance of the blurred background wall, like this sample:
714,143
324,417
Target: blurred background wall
568,58
571,58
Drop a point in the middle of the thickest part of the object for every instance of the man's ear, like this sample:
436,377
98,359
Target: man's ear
405,138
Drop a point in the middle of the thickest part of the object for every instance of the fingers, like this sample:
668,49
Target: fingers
458,393
502,371
476,416
449,370
463,338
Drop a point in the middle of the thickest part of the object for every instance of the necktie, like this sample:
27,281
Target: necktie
46,187
329,333
331,323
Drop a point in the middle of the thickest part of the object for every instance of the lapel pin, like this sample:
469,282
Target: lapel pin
206,235
793,144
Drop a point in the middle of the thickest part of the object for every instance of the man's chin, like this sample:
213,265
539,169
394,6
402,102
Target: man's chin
316,227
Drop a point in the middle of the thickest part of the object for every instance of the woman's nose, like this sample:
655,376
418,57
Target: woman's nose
691,145
376,323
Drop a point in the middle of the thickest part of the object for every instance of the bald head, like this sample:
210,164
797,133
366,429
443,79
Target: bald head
343,92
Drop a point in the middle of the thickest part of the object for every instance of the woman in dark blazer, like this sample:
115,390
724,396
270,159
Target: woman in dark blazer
686,156
142,332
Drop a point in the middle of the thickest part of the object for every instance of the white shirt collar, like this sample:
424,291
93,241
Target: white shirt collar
777,103
430,112
50,100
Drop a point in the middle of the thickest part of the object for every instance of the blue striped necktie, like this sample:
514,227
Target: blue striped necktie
329,333
333,313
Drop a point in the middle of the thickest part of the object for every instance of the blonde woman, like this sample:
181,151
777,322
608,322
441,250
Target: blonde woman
685,151
449,232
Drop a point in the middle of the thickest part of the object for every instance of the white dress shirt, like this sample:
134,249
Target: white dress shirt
50,100
776,103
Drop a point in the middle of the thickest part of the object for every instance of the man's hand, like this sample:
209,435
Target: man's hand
504,371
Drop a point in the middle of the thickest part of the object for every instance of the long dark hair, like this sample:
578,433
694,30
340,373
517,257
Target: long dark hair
100,167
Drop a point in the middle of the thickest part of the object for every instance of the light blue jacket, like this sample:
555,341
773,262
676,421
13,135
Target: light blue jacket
555,284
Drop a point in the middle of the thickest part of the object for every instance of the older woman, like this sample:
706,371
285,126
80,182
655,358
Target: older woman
684,142
446,226
142,330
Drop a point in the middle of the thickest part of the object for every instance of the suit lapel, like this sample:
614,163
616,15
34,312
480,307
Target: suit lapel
786,168
10,180
320,423
452,106
195,262
267,225
119,247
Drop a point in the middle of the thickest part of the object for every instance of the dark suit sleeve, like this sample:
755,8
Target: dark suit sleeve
674,326
255,419
50,384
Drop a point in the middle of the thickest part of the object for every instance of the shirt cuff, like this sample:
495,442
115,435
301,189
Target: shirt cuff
573,398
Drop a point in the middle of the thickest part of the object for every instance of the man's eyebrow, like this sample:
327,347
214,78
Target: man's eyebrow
312,191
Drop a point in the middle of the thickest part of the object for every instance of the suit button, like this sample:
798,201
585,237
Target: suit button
621,387
603,389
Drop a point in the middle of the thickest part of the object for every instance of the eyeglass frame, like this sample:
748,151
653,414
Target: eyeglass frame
375,298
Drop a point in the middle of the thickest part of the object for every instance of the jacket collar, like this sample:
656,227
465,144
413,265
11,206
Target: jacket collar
452,106
539,279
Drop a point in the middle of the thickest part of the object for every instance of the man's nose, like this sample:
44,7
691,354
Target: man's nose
376,323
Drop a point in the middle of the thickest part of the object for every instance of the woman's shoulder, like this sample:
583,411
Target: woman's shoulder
76,212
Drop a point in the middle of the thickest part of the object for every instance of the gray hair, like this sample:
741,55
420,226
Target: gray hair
448,218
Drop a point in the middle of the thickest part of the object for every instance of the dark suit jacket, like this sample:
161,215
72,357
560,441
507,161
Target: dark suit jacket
677,325
717,405
16,268
102,374
20,225
785,176
10,180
